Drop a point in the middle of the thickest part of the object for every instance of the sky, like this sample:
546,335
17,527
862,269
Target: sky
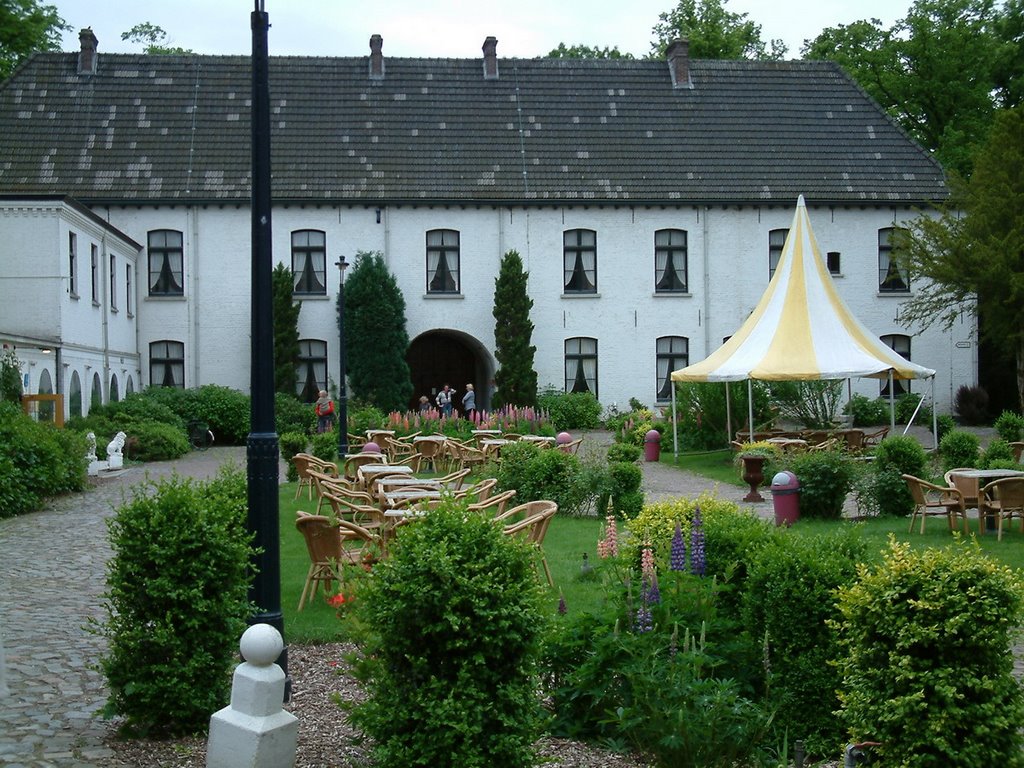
441,28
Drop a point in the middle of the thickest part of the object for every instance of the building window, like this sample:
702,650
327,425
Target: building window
94,272
309,262
581,365
670,261
75,396
900,344
115,394
673,353
128,289
442,261
96,398
580,260
776,242
166,263
833,263
73,264
113,282
167,364
891,277
311,369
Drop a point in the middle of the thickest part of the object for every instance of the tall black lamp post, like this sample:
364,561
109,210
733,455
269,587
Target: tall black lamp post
262,445
342,364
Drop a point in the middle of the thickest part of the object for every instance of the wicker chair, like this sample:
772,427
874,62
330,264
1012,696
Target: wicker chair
537,516
932,500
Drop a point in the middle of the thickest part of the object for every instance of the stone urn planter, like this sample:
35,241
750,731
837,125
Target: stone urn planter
753,475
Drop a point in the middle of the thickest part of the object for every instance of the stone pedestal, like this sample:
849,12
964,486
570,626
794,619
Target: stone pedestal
254,731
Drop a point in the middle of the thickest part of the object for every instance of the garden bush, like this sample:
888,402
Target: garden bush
905,406
226,411
811,403
826,477
362,417
623,452
867,412
292,415
788,601
925,654
971,404
292,443
36,460
945,424
958,449
998,454
896,456
1010,426
571,410
625,480
153,441
325,446
176,602
543,473
450,664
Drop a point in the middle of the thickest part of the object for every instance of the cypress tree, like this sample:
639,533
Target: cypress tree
516,378
286,330
375,335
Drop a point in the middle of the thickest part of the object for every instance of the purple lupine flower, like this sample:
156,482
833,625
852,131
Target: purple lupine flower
698,565
644,621
652,594
562,607
677,554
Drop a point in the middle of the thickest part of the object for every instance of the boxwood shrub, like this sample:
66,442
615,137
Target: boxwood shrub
451,661
177,602
925,654
36,460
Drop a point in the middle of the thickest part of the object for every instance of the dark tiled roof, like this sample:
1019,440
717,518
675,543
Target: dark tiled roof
175,128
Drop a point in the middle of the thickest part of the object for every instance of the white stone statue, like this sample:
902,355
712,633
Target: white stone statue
90,438
115,449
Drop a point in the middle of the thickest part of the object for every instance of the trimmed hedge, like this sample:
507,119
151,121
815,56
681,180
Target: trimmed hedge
36,460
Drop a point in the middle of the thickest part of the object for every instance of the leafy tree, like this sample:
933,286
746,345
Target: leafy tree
516,378
713,32
375,334
286,330
587,52
154,38
973,253
936,72
27,26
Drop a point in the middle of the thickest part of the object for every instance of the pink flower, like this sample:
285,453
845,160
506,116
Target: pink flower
647,563
609,546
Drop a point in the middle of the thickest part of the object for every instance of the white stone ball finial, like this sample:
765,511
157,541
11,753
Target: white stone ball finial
261,644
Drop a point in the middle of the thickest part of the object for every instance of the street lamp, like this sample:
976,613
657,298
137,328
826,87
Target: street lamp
342,372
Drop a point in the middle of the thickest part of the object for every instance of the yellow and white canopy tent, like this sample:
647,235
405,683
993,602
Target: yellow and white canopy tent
801,330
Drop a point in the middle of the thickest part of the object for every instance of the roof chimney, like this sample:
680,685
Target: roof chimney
376,57
87,55
490,50
678,54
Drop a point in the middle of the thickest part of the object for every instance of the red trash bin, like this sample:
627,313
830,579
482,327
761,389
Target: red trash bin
652,445
786,498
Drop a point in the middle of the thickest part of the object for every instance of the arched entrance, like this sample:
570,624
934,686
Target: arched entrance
437,358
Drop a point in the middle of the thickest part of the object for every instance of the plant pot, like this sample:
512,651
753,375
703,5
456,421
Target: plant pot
753,475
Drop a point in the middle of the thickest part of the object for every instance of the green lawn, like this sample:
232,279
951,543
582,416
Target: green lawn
569,538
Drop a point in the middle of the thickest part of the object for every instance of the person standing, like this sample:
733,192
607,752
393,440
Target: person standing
469,402
444,400
324,410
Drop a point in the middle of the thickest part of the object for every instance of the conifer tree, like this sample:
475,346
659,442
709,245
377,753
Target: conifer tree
286,330
375,335
516,378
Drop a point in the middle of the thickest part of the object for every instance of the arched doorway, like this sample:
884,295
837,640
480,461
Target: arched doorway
437,358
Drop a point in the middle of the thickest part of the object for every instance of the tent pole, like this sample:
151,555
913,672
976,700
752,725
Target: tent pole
935,418
728,415
750,406
675,426
892,404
